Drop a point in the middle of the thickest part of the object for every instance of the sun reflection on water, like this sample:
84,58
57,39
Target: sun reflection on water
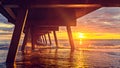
80,42
80,60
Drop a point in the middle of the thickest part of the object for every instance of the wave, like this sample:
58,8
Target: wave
114,53
4,47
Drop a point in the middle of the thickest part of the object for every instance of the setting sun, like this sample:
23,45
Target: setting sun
81,35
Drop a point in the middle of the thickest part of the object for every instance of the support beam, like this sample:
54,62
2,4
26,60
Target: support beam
45,39
33,39
41,39
20,21
49,38
11,13
70,37
6,14
56,41
24,41
26,31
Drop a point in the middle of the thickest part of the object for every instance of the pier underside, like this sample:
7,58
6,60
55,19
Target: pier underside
36,18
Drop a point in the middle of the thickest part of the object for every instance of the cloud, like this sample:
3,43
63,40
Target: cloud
106,19
3,31
6,25
3,19
6,28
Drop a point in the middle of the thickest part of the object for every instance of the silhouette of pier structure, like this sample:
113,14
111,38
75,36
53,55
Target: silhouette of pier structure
40,17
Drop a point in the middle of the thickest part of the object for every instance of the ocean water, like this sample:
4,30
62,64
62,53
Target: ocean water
4,46
87,54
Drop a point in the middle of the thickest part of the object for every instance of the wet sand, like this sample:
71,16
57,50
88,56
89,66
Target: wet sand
65,58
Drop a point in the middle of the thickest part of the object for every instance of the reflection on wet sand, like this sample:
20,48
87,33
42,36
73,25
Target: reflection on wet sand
65,58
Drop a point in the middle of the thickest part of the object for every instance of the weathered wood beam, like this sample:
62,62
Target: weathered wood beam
20,21
10,12
45,39
49,38
41,3
55,37
24,40
84,11
42,33
33,38
56,6
6,14
65,6
39,27
40,39
70,38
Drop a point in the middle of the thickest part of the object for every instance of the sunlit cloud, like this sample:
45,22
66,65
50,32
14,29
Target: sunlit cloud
2,31
4,25
108,23
117,17
106,19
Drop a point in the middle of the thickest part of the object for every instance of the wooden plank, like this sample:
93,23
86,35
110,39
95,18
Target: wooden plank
41,32
83,11
21,20
65,6
45,2
54,22
52,16
74,2
59,5
44,29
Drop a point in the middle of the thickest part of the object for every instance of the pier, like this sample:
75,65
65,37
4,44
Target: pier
38,18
